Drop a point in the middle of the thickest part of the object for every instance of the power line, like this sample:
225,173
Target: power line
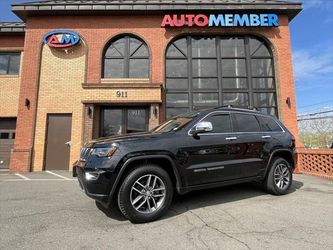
315,118
317,113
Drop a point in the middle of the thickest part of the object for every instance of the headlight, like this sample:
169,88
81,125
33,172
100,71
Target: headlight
104,152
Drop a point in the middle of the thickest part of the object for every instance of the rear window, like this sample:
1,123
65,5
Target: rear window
221,123
268,124
246,123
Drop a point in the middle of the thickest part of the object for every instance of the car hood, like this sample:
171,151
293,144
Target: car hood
124,138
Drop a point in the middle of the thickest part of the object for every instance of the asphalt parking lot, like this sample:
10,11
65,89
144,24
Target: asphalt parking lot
49,211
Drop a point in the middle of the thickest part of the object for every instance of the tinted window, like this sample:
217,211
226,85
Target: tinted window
221,123
126,57
4,135
9,63
268,124
236,71
247,123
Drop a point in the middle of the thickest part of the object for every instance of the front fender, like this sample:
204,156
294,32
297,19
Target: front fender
146,157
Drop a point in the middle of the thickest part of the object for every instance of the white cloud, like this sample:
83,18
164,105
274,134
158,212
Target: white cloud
313,64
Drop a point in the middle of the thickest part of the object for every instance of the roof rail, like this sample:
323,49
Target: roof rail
237,107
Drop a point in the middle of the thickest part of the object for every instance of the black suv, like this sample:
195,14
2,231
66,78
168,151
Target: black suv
197,150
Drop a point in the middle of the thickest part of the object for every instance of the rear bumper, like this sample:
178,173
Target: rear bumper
97,188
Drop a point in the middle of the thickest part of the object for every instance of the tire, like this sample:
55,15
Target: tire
140,203
279,178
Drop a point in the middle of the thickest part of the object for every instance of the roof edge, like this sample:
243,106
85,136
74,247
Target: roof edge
12,28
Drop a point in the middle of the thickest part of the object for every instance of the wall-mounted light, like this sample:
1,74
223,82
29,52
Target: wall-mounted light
27,103
288,101
155,111
89,112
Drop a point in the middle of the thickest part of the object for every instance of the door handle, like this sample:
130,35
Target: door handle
231,138
69,143
266,137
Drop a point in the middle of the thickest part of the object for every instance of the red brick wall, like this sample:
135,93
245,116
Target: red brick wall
97,31
11,41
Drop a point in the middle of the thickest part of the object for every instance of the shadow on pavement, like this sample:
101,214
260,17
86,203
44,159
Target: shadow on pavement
112,212
203,198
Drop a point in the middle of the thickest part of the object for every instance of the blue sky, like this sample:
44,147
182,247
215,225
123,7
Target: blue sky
312,44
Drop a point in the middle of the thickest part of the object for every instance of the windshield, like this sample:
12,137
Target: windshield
176,123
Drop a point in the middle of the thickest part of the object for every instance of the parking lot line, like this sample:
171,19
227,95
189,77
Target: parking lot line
22,176
58,175
13,180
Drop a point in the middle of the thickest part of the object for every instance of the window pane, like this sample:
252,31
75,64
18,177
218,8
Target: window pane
181,44
205,99
136,120
137,48
113,52
236,99
174,52
117,48
138,68
176,68
3,64
247,123
4,135
14,66
177,83
232,47
268,124
270,111
221,123
262,67
258,48
233,67
171,112
112,122
205,83
177,100
234,83
264,99
203,47
120,45
141,52
134,44
204,67
263,83
113,68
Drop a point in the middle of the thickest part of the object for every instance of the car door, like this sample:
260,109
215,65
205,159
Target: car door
251,142
210,156
272,135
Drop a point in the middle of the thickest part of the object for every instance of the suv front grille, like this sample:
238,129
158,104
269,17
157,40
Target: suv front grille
85,152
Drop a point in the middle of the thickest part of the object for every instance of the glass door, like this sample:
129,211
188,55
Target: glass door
116,121
112,122
136,120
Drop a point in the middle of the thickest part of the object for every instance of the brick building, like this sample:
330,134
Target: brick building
77,70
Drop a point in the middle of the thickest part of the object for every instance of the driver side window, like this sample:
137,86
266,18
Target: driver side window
221,123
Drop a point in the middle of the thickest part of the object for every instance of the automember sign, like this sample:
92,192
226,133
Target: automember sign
61,38
221,20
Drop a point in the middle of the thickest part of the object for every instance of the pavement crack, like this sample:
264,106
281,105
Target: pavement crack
219,231
28,215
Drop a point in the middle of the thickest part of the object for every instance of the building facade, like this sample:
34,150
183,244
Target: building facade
78,70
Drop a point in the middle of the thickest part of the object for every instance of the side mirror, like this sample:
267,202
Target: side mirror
203,127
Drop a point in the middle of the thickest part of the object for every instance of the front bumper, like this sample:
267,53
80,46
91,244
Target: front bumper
97,189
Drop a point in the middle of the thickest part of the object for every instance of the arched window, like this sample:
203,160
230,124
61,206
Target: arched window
126,57
205,72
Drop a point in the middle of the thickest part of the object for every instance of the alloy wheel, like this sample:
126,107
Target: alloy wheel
281,176
147,194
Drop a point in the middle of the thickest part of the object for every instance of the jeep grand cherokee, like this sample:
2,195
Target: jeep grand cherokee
197,150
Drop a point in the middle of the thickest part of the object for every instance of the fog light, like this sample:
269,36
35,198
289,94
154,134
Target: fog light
91,176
